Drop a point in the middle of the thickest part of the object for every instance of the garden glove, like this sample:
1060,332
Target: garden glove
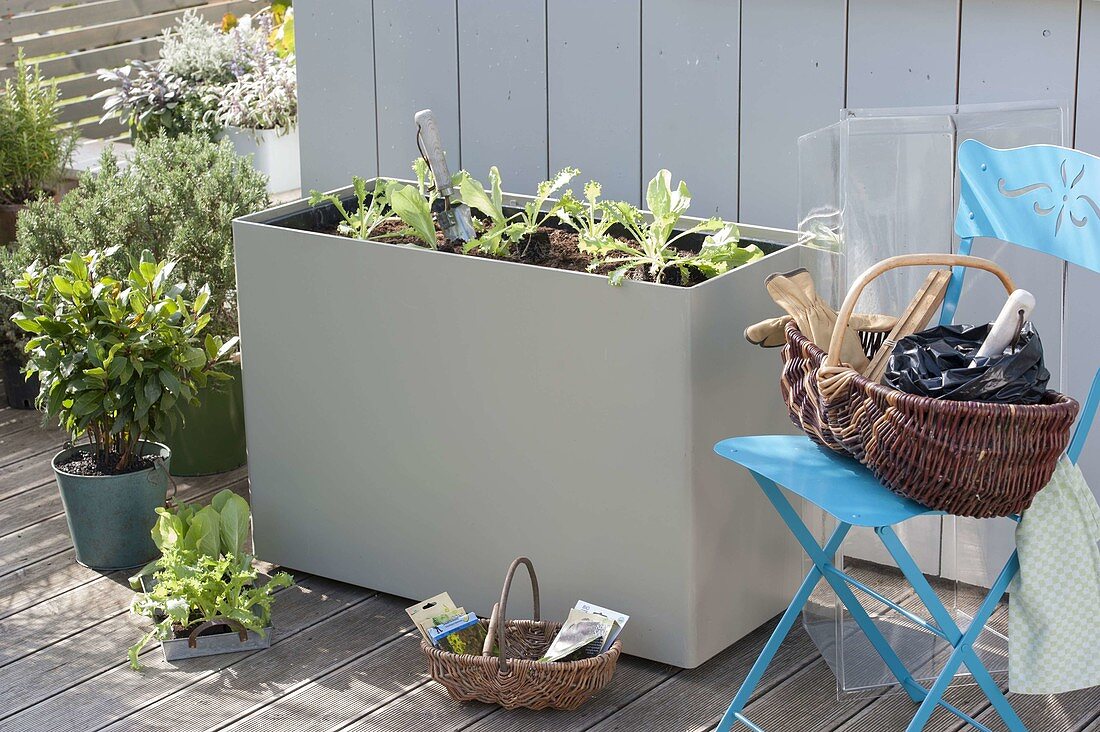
795,293
772,333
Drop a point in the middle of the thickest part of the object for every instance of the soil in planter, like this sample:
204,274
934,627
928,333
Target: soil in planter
551,247
84,464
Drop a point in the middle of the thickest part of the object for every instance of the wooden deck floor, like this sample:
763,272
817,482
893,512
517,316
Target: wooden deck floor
345,657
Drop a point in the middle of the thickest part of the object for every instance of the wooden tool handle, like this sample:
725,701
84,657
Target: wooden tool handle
832,358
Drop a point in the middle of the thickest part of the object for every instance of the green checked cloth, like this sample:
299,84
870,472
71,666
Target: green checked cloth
1054,615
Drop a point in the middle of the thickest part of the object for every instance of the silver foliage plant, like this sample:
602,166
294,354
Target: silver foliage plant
207,78
264,94
198,50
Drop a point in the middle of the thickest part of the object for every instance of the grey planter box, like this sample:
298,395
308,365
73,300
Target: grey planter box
418,419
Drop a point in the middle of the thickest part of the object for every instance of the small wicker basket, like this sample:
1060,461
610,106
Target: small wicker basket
515,679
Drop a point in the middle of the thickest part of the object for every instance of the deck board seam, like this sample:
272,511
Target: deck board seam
26,490
328,671
52,446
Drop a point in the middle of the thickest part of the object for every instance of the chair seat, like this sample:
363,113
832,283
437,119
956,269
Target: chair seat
837,484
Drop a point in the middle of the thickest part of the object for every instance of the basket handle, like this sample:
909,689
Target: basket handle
242,633
832,358
497,619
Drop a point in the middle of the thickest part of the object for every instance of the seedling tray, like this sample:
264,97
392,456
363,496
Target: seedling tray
211,644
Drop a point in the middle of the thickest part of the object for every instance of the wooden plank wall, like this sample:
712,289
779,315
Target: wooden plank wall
72,40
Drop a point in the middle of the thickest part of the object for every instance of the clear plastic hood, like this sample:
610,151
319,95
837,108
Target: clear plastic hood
878,183
882,182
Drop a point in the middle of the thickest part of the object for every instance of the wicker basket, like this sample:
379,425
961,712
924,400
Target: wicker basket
514,679
964,458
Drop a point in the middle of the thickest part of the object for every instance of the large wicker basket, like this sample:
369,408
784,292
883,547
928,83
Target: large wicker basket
964,458
514,679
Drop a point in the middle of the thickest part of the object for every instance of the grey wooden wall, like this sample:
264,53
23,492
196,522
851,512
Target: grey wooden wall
718,91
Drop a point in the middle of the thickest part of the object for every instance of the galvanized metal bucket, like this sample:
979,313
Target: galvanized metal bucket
110,516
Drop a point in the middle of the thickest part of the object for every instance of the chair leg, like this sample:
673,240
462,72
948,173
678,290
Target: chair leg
748,686
962,642
822,559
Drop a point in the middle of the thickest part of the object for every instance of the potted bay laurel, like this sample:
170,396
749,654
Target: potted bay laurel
116,358
177,198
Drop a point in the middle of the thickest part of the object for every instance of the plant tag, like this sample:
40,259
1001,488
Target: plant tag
433,611
618,618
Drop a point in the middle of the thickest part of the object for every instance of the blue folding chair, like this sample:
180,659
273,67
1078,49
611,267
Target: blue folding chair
1041,197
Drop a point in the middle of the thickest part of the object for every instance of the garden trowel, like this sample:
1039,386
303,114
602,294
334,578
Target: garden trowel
453,215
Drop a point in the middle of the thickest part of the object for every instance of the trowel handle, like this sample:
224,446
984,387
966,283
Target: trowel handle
431,144
1006,327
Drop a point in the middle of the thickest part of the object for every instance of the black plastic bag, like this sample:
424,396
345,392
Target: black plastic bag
936,363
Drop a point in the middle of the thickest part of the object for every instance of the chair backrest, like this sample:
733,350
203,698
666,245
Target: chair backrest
1041,197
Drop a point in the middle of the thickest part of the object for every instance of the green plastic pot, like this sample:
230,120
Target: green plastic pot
210,438
110,516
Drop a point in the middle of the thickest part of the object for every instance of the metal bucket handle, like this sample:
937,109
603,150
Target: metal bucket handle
158,464
239,629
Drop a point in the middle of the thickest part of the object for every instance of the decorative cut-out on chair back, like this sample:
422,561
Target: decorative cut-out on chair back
1042,197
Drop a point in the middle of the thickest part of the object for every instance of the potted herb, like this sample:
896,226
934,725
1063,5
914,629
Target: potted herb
116,358
258,109
177,198
236,80
499,374
202,592
33,154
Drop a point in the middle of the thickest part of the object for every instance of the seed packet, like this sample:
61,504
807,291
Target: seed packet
433,611
580,629
618,618
464,634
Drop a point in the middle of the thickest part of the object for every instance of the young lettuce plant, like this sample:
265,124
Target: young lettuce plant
653,246
503,231
588,218
367,217
204,572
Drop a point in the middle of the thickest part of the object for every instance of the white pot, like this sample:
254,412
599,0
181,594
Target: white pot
274,155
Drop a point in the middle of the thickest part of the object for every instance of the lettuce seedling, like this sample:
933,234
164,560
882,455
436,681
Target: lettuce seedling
413,209
653,245
204,572
361,223
587,217
503,231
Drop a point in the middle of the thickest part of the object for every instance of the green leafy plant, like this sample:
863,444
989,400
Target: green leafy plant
389,201
587,217
505,231
654,239
414,209
204,572
116,358
33,153
177,198
371,208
